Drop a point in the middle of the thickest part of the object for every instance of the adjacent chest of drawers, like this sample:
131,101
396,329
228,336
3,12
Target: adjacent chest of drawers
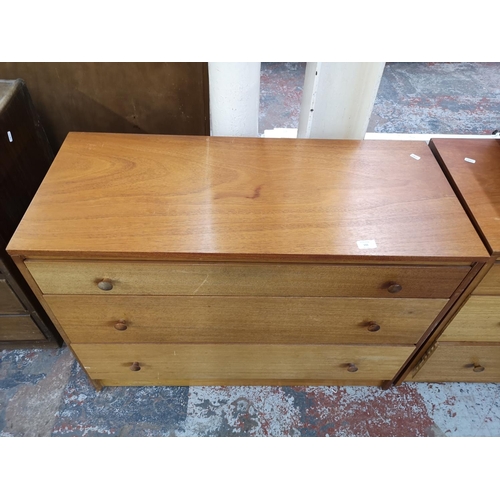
217,261
468,350
25,157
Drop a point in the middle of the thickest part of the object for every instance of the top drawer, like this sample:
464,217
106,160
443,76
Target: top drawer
490,285
304,280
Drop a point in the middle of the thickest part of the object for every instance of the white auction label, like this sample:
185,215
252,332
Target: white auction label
9,135
362,244
415,156
469,160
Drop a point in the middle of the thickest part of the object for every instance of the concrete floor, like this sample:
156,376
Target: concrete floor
45,393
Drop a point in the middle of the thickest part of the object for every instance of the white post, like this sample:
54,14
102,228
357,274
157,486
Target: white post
234,99
338,99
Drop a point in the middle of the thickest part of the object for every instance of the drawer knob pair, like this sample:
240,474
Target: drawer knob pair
394,288
105,285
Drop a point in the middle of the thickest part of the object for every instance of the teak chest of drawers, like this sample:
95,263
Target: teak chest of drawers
170,260
468,350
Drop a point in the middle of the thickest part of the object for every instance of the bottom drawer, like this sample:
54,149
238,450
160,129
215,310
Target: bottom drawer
14,328
460,363
210,364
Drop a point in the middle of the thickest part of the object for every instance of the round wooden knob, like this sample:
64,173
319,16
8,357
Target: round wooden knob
105,285
121,325
373,327
135,366
394,288
478,368
351,367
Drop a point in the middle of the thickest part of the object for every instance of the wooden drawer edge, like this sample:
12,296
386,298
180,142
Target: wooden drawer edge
237,382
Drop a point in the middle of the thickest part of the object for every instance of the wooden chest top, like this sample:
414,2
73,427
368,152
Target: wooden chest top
473,165
203,198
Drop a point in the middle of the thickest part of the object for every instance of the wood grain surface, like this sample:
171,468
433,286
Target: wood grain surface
455,363
126,97
9,303
19,327
490,285
162,364
90,319
477,184
477,321
176,382
457,300
161,196
163,278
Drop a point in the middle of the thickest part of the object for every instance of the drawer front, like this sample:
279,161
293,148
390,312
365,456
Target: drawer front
9,303
460,363
490,284
14,328
91,319
150,278
183,364
477,321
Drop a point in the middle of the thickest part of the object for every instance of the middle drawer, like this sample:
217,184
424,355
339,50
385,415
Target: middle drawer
294,320
477,321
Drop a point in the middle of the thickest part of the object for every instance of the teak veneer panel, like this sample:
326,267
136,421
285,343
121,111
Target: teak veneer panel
161,196
150,278
162,364
490,285
477,321
477,184
455,363
119,381
291,320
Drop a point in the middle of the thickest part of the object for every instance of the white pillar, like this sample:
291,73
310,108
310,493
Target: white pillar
338,99
234,99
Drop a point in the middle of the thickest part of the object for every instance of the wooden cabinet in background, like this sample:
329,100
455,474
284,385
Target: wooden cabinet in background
25,157
116,97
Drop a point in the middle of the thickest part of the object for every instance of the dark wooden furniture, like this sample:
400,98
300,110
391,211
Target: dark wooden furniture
130,97
216,260
468,347
25,157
